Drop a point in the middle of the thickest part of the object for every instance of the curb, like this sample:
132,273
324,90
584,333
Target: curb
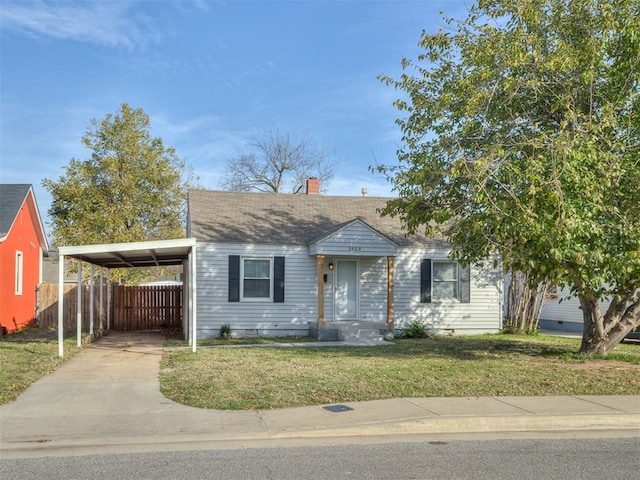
441,426
487,424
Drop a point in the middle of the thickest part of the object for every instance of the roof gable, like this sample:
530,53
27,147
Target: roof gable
270,218
353,238
12,198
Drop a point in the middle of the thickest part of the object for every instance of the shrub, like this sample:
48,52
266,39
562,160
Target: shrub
415,329
225,331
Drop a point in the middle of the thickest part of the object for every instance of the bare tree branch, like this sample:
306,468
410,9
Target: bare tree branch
274,160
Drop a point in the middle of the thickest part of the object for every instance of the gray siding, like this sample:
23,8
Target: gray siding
262,318
564,313
354,239
372,287
482,315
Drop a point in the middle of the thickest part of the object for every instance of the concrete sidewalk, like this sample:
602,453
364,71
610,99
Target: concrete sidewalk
109,394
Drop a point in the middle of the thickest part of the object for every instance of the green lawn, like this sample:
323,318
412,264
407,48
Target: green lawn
250,378
266,377
28,355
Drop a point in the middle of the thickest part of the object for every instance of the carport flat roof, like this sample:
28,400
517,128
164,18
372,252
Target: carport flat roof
154,253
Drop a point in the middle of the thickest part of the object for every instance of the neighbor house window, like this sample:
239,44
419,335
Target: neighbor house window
19,272
444,280
256,278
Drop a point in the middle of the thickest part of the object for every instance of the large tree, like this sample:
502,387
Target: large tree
521,136
132,188
277,162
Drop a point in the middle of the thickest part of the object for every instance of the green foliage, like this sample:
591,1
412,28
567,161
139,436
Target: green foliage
521,136
415,329
225,331
132,188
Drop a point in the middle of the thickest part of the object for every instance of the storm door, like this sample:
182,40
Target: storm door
346,291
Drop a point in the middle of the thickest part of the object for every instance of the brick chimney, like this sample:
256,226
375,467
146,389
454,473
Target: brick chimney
313,186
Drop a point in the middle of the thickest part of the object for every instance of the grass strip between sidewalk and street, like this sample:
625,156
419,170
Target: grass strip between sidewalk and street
270,377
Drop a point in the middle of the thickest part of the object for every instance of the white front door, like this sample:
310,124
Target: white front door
346,295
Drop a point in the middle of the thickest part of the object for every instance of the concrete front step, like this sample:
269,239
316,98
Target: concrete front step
350,333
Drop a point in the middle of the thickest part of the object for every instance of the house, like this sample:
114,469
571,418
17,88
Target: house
50,265
22,246
327,266
562,312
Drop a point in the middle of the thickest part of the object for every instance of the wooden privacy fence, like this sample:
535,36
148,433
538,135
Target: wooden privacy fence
132,308
147,308
47,315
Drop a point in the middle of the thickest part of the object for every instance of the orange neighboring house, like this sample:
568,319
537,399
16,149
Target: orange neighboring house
23,244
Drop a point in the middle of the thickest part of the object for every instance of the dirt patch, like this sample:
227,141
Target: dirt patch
603,366
31,335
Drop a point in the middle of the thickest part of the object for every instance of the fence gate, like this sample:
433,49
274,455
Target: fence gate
147,308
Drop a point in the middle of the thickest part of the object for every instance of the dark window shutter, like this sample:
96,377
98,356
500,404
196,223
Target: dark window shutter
278,279
234,278
464,279
425,281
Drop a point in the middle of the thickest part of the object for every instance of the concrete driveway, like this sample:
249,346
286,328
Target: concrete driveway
111,389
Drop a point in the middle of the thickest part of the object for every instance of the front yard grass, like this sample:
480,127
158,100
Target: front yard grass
265,378
26,356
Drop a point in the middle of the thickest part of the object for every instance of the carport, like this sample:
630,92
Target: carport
155,253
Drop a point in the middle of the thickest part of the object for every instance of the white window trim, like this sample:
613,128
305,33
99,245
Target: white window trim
434,281
256,299
19,277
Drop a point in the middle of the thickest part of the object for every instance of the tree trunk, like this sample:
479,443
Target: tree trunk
601,333
593,338
524,304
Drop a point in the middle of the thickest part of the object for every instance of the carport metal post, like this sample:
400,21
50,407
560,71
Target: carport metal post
109,294
101,297
91,299
79,305
61,306
193,297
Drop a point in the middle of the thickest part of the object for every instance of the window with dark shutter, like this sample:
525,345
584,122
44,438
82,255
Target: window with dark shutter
441,280
464,274
256,274
425,281
278,279
234,278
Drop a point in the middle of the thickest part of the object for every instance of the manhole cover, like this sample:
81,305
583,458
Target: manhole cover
337,408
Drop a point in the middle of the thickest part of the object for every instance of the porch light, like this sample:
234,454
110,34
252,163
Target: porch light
331,266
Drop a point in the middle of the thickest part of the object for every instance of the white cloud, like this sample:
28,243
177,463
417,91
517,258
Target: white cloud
104,23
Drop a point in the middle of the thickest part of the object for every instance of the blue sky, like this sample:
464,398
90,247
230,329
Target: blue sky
208,73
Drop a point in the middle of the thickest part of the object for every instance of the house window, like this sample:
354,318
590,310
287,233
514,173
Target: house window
19,272
444,280
256,278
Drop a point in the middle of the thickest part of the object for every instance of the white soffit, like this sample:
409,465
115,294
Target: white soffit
134,254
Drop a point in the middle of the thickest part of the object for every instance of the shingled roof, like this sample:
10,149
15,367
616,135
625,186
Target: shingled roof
269,218
12,197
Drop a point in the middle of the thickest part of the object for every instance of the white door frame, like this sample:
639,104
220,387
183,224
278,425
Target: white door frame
337,262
